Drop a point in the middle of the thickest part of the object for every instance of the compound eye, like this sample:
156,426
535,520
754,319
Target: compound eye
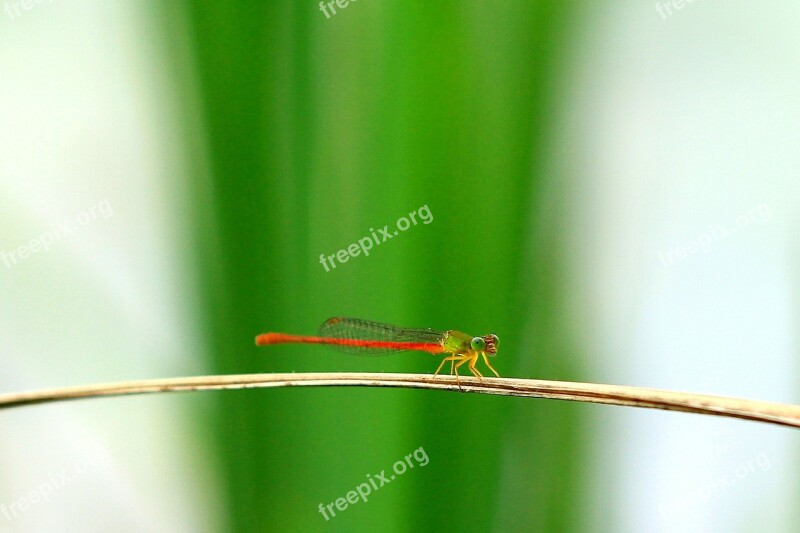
478,344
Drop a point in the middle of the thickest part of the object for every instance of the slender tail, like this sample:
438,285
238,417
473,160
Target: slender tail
281,338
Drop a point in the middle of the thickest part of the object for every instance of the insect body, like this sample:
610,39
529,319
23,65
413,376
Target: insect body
364,337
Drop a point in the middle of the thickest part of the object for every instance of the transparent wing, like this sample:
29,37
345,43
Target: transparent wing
358,329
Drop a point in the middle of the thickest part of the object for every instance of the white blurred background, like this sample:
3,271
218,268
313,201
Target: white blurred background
87,119
678,127
686,176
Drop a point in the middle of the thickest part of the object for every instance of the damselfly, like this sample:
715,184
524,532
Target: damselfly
373,338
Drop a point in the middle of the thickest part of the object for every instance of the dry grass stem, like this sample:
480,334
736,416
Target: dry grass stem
774,413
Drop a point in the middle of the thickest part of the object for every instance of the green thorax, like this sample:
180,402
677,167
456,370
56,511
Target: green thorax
456,342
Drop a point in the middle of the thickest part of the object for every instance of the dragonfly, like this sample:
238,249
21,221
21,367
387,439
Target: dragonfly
364,337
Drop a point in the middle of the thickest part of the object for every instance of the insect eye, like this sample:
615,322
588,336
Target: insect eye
478,343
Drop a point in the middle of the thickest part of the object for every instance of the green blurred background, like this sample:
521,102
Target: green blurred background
317,131
562,149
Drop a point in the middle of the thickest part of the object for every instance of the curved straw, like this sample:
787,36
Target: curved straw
775,413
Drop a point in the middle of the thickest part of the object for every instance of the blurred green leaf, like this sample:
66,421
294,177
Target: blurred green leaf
312,132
